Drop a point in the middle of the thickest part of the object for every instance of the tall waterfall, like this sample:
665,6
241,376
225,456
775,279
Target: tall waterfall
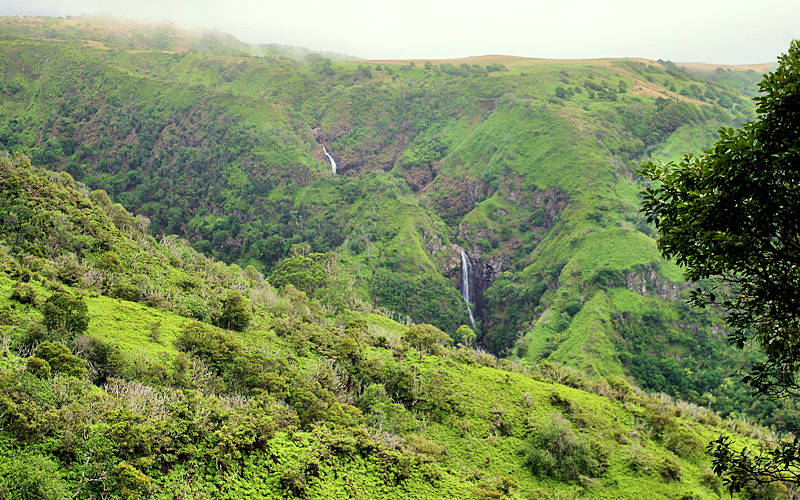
333,162
466,284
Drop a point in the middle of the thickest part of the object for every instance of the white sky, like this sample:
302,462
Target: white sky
717,31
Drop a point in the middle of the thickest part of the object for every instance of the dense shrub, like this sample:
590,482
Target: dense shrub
104,359
23,293
31,334
38,367
213,346
70,271
31,477
131,482
25,405
65,314
61,359
125,290
683,443
670,469
426,338
235,313
555,451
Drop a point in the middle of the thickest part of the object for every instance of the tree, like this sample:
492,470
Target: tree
426,338
729,217
466,334
65,314
236,313
304,272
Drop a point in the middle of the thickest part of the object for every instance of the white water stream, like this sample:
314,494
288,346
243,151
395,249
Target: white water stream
333,162
466,276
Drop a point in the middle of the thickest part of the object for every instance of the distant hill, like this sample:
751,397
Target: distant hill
533,61
127,34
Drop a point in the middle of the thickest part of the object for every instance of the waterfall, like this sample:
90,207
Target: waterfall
466,288
333,162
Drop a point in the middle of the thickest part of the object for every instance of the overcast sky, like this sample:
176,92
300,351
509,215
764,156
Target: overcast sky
724,32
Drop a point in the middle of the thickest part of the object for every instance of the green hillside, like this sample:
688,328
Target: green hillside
526,165
147,393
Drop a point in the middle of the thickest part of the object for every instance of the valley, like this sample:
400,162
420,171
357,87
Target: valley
438,266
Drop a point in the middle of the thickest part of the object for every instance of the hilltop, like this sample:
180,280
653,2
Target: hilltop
508,60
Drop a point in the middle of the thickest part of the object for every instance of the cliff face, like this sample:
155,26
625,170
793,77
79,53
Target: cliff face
504,244
648,281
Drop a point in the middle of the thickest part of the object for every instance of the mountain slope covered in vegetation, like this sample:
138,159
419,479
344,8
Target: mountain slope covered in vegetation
133,367
524,165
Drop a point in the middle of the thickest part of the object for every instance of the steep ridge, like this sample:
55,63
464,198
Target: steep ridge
526,167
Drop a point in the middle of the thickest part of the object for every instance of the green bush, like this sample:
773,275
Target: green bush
426,338
38,367
23,293
216,348
104,358
70,272
555,451
31,477
235,313
109,261
683,443
670,469
131,482
304,272
155,331
26,404
65,314
465,334
125,290
32,334
61,359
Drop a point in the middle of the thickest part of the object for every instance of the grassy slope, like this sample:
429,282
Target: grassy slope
469,447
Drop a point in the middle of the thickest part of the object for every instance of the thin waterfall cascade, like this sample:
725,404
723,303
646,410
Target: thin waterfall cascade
333,162
466,284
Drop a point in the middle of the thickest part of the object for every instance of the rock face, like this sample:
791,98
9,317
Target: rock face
524,230
420,176
648,282
484,273
380,153
460,196
642,279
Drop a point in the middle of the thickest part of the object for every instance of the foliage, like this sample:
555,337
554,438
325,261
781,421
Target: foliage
215,347
727,216
30,476
426,338
23,293
64,314
318,397
477,155
555,451
38,367
235,313
61,360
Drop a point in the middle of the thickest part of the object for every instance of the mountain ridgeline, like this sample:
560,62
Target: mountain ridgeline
404,176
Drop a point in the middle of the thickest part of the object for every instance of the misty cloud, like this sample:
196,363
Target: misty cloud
728,32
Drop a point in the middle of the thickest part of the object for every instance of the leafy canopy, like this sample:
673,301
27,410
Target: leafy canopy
730,218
